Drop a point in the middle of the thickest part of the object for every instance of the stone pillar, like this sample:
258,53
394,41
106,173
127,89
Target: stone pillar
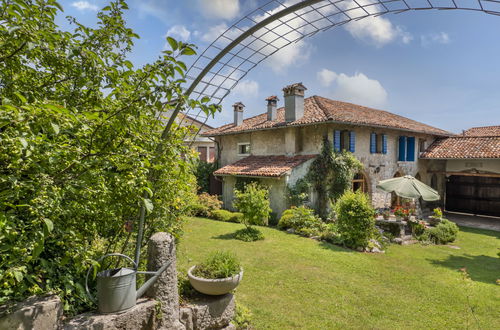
161,250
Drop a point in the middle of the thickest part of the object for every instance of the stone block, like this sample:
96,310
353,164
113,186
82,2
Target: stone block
211,312
34,313
143,316
161,250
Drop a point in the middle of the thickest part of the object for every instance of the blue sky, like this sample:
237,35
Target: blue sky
437,67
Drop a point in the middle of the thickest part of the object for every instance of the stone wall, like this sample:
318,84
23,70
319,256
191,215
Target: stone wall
160,311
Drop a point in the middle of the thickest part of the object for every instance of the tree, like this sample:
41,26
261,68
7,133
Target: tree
81,147
253,202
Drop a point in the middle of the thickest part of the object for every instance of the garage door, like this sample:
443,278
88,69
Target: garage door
473,194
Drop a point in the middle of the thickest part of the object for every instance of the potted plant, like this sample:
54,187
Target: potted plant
386,214
219,274
436,218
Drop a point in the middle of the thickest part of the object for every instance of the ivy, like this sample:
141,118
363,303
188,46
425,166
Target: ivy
331,174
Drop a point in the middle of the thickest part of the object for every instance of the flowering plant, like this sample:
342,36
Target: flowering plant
400,211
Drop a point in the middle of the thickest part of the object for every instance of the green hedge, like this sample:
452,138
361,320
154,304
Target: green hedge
227,216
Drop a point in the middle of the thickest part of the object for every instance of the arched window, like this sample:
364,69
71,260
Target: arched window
360,183
434,182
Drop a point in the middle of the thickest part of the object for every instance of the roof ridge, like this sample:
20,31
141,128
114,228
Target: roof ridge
317,100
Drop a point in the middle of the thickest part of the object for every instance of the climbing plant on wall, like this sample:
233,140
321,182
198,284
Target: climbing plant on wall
331,175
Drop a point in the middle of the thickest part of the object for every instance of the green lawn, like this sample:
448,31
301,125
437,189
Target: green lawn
295,282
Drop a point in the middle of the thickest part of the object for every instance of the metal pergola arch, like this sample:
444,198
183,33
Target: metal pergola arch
277,24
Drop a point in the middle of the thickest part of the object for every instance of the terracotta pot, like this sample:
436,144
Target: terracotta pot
214,287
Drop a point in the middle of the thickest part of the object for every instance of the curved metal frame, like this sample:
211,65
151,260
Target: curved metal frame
278,24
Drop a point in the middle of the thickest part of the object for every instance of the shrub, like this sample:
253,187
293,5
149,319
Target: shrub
331,234
355,219
298,194
302,220
253,202
218,264
249,234
445,232
203,170
242,317
205,205
227,216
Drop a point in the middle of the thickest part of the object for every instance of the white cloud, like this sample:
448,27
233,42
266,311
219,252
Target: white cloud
378,31
247,88
220,9
357,88
179,32
214,32
326,77
84,5
435,38
294,54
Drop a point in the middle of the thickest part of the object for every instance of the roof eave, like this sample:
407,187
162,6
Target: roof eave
330,122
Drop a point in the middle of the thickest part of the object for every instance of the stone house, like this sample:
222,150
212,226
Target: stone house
278,146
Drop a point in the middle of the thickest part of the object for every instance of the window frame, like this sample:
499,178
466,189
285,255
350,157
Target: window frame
244,144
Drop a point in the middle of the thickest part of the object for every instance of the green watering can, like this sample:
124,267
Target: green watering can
116,288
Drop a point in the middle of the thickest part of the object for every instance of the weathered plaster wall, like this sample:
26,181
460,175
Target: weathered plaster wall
482,165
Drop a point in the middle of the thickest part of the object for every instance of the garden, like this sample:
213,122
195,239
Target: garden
297,282
89,166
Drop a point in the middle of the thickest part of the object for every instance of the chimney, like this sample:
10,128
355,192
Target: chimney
238,113
294,101
272,105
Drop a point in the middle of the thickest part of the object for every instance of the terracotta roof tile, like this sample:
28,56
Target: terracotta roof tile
483,131
263,166
464,148
318,109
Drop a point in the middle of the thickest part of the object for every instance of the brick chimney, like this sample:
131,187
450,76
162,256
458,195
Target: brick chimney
272,105
238,113
294,101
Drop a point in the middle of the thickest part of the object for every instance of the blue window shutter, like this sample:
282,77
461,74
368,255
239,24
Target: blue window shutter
336,140
384,143
352,141
373,143
402,148
410,149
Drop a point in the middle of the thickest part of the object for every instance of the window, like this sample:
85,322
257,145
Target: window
378,143
344,140
203,153
211,154
421,145
359,183
243,149
434,184
406,149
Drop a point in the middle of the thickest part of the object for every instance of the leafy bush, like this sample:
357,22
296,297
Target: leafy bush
302,220
298,194
80,147
242,317
249,234
445,232
205,204
227,216
355,219
331,234
253,202
203,170
218,264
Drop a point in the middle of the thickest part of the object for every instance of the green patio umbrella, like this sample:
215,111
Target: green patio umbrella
409,187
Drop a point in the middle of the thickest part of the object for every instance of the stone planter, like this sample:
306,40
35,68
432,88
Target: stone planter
214,287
